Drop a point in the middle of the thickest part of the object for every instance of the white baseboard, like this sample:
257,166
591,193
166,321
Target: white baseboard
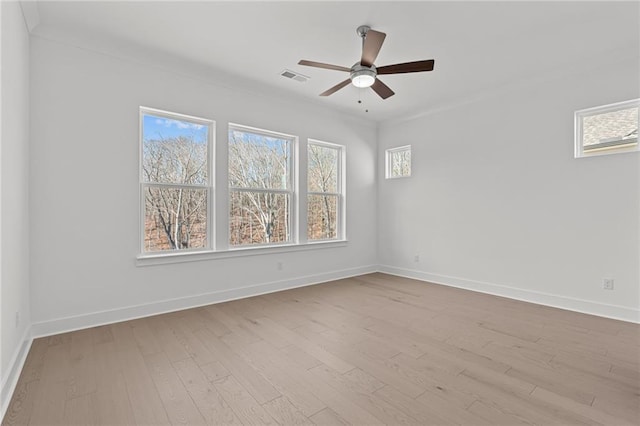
61,325
10,381
622,313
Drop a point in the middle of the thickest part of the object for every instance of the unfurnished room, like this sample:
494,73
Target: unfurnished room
319,212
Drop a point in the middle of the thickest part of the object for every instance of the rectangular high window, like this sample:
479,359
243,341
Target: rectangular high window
175,181
261,196
325,194
398,162
607,129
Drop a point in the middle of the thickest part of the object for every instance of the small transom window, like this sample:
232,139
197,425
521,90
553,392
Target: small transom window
607,129
398,162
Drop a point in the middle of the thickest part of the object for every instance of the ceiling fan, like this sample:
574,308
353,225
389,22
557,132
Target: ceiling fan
365,73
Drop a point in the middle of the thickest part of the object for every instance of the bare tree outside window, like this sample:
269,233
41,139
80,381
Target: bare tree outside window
323,176
175,182
259,187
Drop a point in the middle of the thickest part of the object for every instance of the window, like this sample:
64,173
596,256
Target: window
175,181
261,197
607,129
398,162
325,191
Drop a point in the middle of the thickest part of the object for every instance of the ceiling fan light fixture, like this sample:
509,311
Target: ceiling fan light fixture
363,77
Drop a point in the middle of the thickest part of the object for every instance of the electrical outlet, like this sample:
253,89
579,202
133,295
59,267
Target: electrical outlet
279,266
416,258
607,283
17,318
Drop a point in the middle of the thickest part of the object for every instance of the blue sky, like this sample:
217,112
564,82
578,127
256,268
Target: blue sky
164,128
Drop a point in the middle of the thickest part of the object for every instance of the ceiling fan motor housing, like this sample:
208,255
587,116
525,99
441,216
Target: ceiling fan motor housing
362,76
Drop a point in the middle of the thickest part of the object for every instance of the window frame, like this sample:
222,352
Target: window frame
340,186
209,187
291,191
579,116
388,161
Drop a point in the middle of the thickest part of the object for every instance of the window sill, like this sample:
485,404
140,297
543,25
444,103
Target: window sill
195,256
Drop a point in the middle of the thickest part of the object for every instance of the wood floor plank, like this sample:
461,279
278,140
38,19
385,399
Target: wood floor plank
21,406
300,357
250,379
144,337
428,377
568,404
175,398
360,342
337,397
267,360
239,326
501,381
51,394
212,406
380,369
446,407
59,339
145,402
242,403
179,326
170,344
328,417
210,322
111,398
80,411
310,347
495,416
340,402
35,360
214,371
374,349
516,404
102,334
82,379
423,413
378,407
363,380
285,413
629,409
449,350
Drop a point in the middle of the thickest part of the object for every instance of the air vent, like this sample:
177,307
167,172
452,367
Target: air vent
294,76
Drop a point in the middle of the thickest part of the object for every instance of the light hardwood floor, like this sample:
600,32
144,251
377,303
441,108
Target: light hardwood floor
374,349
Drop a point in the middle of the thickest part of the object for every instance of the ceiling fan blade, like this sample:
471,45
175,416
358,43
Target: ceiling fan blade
371,47
335,88
382,89
325,66
417,66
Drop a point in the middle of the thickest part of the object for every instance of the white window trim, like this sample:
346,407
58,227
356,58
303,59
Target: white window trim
209,187
388,155
341,231
579,116
291,190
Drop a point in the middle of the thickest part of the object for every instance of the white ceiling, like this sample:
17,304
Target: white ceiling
478,46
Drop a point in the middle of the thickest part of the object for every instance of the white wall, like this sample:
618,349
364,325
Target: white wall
84,189
14,190
497,203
